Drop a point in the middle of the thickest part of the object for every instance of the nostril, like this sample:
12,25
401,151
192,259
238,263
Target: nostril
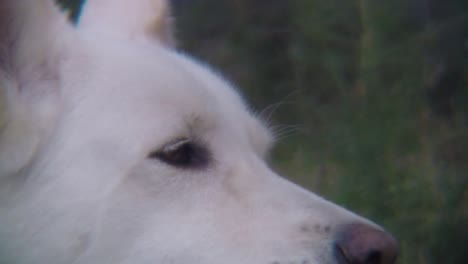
365,244
373,257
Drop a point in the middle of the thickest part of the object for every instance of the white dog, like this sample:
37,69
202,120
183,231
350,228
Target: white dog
117,149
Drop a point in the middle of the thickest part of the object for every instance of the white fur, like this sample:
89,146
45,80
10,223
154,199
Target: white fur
86,108
136,20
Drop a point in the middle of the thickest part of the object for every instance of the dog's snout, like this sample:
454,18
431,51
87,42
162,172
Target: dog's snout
365,244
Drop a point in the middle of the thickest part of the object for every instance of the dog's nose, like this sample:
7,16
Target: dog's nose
365,244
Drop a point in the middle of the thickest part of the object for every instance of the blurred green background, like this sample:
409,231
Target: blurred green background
369,100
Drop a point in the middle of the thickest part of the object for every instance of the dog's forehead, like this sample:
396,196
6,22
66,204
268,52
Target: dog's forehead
156,83
127,73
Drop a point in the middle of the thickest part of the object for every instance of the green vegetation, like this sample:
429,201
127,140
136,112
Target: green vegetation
375,94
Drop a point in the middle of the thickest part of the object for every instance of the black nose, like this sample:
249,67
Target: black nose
365,244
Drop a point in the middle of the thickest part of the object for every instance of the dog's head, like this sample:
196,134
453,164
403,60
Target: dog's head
116,148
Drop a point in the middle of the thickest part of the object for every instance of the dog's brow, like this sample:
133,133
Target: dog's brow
198,124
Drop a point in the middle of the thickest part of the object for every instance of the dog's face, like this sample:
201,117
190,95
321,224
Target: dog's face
118,149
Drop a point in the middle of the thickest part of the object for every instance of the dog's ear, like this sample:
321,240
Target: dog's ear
131,19
32,37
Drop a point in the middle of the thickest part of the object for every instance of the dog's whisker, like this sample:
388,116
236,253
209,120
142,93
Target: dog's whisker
267,113
283,131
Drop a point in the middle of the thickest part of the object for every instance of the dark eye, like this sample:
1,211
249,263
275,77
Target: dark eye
184,154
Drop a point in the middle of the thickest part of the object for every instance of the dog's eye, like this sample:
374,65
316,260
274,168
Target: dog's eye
183,154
